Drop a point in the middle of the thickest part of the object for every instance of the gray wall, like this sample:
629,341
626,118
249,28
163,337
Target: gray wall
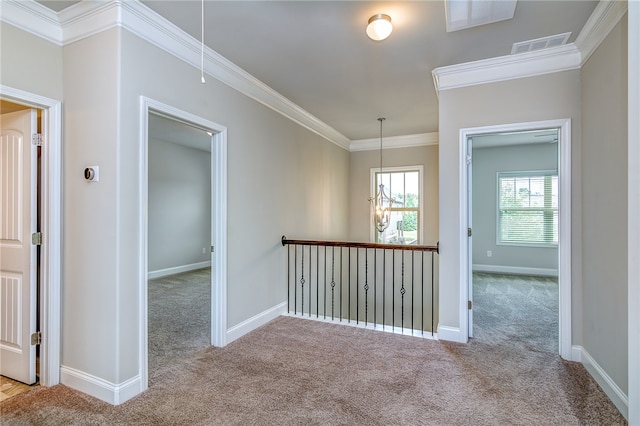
282,179
361,163
487,162
604,204
30,63
92,213
548,97
179,205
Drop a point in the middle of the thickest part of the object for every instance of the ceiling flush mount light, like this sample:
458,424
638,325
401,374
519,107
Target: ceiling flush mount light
379,27
381,202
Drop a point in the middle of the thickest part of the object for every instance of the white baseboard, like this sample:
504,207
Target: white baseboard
451,334
576,353
178,269
610,388
255,321
517,270
368,326
104,390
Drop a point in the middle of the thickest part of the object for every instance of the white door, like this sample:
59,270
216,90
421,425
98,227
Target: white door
18,266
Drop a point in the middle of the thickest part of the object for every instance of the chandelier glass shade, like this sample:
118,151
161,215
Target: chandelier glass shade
381,202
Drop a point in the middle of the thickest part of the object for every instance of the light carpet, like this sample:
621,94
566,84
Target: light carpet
296,371
516,310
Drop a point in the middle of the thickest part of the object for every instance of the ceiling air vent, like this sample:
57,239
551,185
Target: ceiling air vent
540,43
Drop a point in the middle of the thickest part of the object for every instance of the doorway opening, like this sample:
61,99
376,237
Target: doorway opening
179,232
170,137
503,238
42,321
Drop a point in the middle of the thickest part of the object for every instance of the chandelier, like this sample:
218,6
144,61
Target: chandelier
381,202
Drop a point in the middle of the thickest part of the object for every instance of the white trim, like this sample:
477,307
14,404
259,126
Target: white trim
516,270
219,238
633,232
502,68
604,17
576,353
451,334
564,219
368,326
88,18
104,390
610,388
219,225
407,141
177,269
562,58
255,321
33,18
51,221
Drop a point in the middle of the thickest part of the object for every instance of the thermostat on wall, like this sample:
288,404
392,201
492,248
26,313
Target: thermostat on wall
92,174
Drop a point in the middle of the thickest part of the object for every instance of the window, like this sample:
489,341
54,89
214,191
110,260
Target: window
528,208
405,186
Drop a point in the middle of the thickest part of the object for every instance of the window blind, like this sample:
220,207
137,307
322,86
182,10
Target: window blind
528,208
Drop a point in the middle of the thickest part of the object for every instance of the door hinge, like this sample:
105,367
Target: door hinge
36,238
469,159
211,249
468,232
36,139
36,338
470,305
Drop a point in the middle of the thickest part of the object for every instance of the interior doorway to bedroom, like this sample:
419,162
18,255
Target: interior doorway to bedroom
179,240
524,195
159,121
514,193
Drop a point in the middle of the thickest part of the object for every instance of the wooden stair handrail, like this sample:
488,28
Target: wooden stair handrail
435,248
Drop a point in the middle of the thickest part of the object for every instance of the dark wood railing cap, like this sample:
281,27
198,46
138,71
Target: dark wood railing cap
286,241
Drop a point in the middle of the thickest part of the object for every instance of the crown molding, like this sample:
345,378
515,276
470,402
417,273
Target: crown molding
604,17
502,68
562,58
407,141
88,18
32,17
91,17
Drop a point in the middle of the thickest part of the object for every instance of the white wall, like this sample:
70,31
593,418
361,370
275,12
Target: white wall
546,97
487,162
179,205
604,205
30,63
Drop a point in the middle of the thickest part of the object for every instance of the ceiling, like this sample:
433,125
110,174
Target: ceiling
316,53
173,131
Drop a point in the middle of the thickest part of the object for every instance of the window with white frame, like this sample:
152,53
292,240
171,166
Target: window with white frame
404,185
528,208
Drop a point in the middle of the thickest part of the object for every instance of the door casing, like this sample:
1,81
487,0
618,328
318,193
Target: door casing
19,254
564,224
218,226
51,219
